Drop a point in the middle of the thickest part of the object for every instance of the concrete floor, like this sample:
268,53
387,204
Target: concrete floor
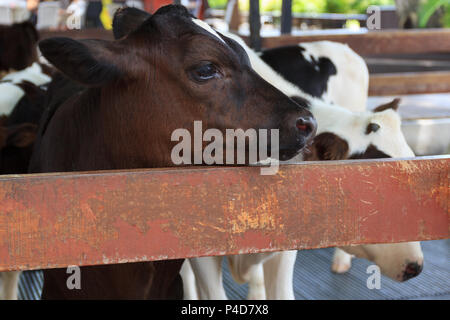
314,280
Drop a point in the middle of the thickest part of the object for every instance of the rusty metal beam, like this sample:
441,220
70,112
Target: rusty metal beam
56,220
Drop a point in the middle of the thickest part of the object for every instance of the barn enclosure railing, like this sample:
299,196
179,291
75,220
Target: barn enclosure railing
371,42
107,217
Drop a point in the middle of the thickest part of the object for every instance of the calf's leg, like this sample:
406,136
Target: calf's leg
256,286
208,276
342,261
189,284
279,274
10,285
241,265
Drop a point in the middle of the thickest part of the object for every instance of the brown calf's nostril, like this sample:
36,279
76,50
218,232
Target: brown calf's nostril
302,124
307,125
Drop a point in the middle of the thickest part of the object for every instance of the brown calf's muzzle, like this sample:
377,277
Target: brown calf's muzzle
302,128
299,130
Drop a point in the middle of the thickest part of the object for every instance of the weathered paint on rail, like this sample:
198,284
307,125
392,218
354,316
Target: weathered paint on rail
55,220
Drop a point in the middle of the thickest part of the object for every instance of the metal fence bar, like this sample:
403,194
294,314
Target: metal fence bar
255,25
56,220
286,16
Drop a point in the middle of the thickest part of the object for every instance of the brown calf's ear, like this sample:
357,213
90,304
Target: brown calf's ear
22,135
89,62
126,20
328,146
390,105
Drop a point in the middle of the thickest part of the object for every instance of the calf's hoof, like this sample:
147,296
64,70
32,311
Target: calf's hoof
342,262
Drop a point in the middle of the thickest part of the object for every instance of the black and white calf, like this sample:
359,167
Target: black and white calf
323,69
11,90
342,134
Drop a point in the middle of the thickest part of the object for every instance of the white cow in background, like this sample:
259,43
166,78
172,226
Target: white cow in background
328,70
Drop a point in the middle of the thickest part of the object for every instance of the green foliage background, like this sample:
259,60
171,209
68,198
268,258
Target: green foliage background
341,6
429,7
311,6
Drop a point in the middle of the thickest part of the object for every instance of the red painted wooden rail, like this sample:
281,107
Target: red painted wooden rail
56,220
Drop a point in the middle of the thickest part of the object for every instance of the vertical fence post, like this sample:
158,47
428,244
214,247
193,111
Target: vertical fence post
286,16
255,25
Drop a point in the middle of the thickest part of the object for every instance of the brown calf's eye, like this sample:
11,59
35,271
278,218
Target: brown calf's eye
204,72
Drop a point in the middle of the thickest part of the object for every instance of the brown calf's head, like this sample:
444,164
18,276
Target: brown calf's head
168,70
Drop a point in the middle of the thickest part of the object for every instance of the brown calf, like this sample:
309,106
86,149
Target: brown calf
161,75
